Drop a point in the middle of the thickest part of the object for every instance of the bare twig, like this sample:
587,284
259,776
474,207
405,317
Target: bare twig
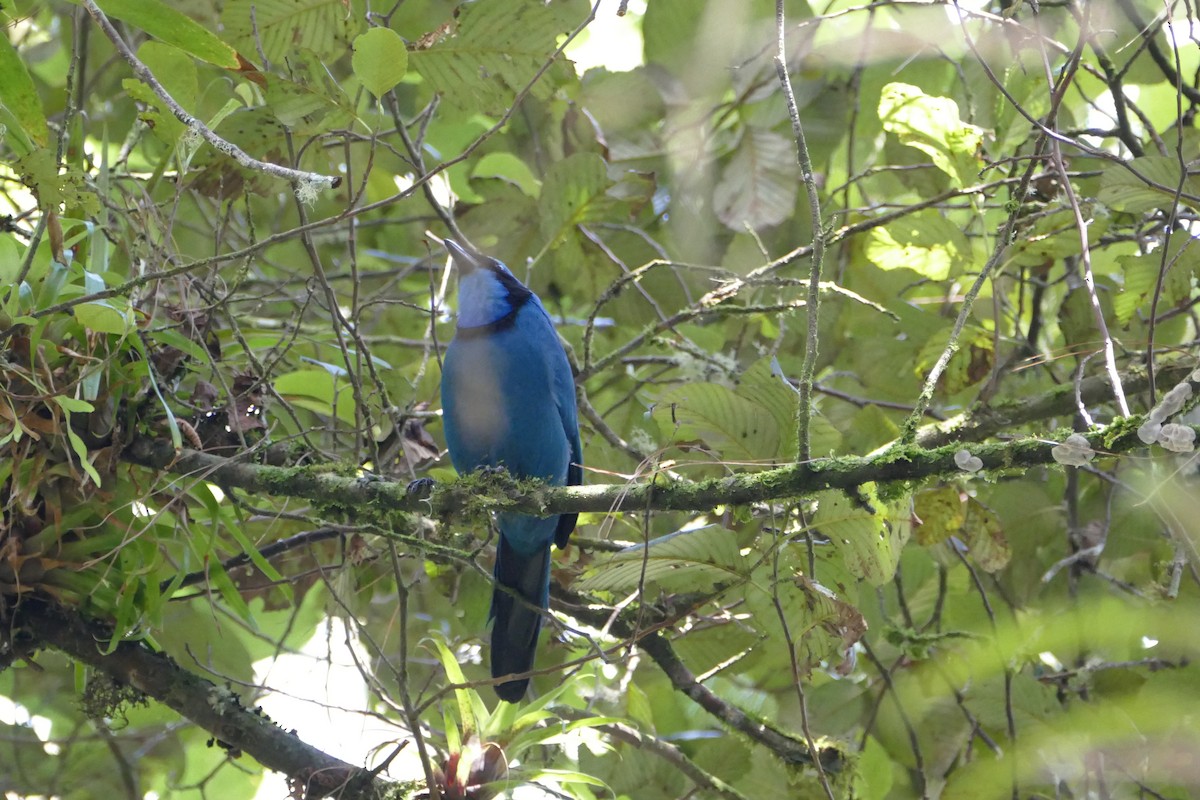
808,369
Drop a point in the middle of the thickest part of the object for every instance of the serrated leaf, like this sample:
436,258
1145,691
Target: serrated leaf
940,511
984,537
55,185
1141,273
821,626
573,193
285,27
19,95
1140,277
737,429
933,126
926,242
755,422
1054,236
758,185
765,384
173,27
1144,184
868,536
380,60
495,51
694,561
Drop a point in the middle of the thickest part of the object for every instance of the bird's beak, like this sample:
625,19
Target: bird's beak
466,261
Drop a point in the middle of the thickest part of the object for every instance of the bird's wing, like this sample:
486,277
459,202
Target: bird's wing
564,399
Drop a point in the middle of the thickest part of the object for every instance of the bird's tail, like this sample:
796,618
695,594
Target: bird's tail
522,588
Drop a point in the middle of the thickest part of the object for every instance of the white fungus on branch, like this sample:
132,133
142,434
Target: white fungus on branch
1074,452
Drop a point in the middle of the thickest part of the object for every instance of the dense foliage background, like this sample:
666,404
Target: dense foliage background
855,554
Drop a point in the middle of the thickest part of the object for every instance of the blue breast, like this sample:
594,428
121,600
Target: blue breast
502,408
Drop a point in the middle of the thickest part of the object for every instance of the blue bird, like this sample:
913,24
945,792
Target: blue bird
508,400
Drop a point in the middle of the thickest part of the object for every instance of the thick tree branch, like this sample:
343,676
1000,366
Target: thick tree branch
362,498
214,708
985,422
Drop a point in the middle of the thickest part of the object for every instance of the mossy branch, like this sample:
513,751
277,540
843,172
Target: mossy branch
361,498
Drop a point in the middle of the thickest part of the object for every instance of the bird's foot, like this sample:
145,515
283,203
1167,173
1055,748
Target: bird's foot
368,478
420,488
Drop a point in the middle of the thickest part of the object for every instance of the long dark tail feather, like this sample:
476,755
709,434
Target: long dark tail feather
516,623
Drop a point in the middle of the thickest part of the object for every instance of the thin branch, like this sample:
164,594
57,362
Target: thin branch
808,368
664,750
195,126
790,749
1081,225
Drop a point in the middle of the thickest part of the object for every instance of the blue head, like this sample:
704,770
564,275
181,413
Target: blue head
488,294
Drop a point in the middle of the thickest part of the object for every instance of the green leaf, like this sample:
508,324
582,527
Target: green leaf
147,373
1141,273
926,243
72,405
508,167
19,96
293,102
693,560
471,710
175,70
286,27
573,193
984,537
1054,236
173,27
758,185
940,511
104,317
321,391
1144,184
868,536
765,384
933,126
380,60
56,184
564,777
873,772
81,451
251,551
753,423
821,626
495,50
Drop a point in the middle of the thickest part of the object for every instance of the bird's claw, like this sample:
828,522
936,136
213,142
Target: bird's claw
420,488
